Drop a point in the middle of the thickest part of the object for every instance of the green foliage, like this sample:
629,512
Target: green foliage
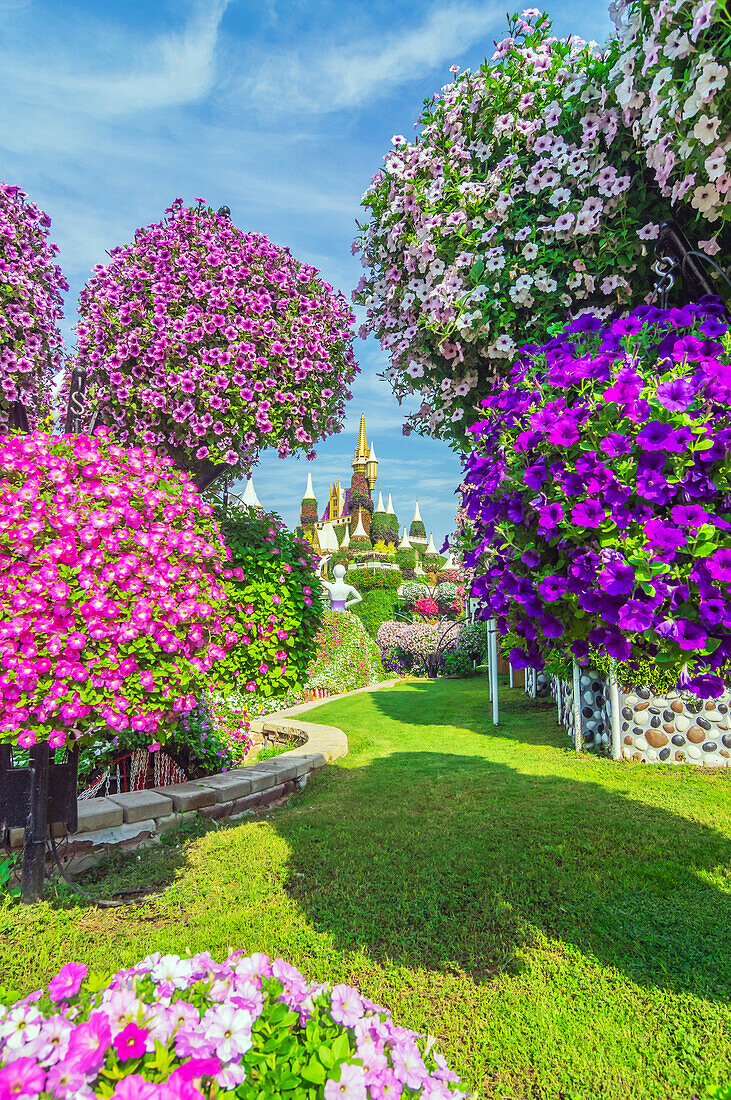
360,542
308,512
406,559
392,530
377,607
276,750
277,600
347,658
380,527
457,664
417,529
433,562
339,530
342,557
366,580
7,868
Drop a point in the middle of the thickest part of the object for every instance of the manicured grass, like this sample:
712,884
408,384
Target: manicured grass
560,923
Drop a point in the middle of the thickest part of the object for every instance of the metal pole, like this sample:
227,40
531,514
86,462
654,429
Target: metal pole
510,672
493,650
614,711
578,738
489,660
34,845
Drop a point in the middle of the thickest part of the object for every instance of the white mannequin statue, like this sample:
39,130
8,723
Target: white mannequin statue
342,595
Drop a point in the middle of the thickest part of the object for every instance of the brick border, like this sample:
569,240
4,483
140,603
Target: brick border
122,822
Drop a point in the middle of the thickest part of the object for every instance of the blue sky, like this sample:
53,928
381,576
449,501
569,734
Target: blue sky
282,110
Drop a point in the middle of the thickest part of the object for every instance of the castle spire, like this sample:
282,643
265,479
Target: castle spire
379,506
250,498
360,457
309,491
417,513
431,548
389,506
405,544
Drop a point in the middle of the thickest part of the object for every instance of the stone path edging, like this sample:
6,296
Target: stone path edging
122,822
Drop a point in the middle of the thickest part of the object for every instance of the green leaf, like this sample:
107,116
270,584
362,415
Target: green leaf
326,1057
341,1047
704,550
314,1071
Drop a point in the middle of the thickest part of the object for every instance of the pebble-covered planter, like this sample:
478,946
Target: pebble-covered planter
671,728
595,713
536,683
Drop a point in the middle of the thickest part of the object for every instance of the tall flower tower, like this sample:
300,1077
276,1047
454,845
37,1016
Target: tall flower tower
363,481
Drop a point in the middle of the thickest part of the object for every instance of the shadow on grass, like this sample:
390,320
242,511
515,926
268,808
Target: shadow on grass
453,862
521,718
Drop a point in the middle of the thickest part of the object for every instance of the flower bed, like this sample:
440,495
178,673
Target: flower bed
175,1028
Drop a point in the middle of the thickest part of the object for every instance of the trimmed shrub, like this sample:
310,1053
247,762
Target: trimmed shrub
31,288
521,197
113,607
377,606
417,529
413,592
308,512
280,604
366,580
212,344
405,559
380,529
347,657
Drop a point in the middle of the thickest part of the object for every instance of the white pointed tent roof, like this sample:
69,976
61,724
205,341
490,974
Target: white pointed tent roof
379,506
309,491
360,529
345,543
417,513
328,539
450,563
405,544
431,548
250,498
372,455
389,506
341,500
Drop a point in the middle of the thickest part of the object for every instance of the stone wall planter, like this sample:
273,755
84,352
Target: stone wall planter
671,728
536,684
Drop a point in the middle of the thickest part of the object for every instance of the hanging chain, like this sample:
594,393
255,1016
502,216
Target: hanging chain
665,268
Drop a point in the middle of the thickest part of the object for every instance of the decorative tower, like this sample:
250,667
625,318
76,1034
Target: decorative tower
360,459
417,531
371,466
308,505
336,497
250,498
359,538
392,527
361,504
379,524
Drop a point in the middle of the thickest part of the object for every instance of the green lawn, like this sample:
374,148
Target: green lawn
562,924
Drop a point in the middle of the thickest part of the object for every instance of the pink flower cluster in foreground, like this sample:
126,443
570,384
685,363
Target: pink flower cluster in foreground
184,1029
30,307
203,337
113,609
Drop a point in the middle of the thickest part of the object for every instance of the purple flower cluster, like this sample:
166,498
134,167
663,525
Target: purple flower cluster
175,1028
30,307
113,607
600,493
203,338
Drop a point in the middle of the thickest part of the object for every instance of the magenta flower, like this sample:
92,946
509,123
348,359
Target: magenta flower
588,513
22,1078
89,1043
135,1087
131,1042
67,982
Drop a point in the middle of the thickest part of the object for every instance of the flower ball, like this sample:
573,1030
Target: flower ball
30,307
210,344
112,607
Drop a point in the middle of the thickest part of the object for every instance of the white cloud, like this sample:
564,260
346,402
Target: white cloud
324,77
173,69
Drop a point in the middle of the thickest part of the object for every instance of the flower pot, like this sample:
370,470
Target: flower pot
673,728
